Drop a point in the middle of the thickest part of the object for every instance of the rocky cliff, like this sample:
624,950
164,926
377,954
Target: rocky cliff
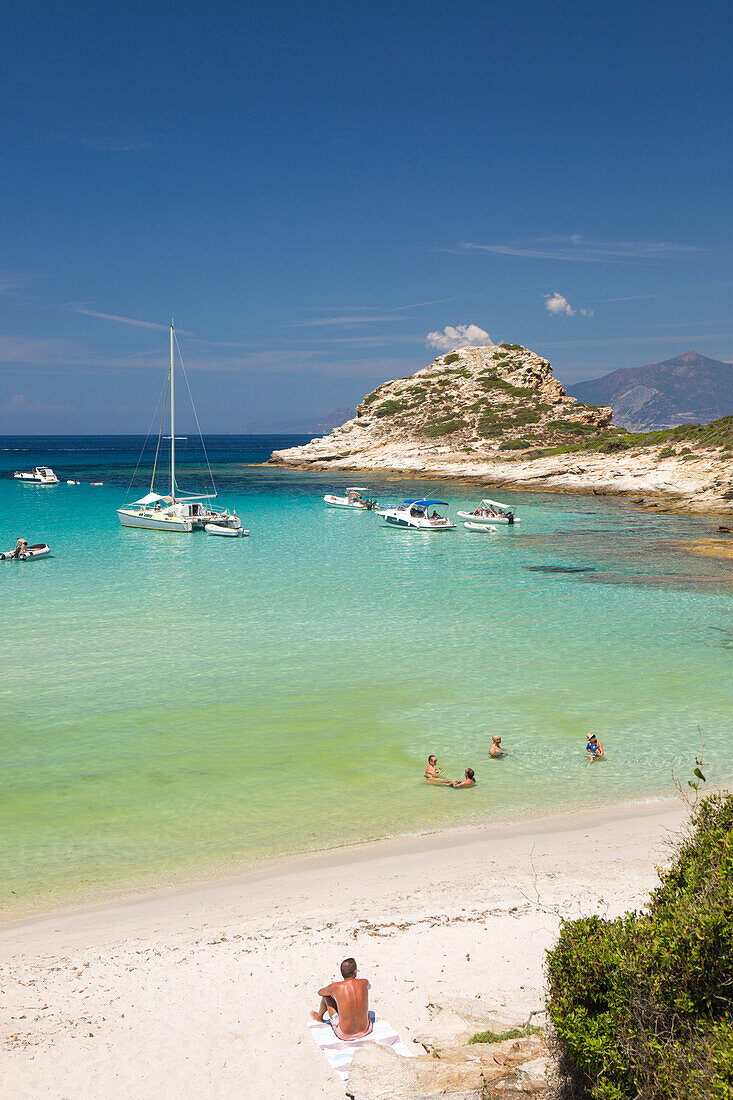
484,400
497,415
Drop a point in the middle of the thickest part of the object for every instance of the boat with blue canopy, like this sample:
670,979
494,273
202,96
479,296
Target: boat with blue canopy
421,514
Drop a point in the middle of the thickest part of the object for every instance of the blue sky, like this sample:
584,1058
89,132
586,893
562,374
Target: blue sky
311,189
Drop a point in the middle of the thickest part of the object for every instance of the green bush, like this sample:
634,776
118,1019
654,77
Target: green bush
667,452
389,408
489,424
512,347
452,358
499,1036
443,427
642,1006
493,382
521,417
515,444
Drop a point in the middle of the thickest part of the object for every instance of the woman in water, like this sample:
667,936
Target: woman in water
594,748
469,781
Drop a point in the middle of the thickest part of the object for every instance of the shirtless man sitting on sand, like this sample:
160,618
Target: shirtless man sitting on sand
345,1005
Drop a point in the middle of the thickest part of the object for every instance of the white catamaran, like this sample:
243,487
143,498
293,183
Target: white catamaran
174,511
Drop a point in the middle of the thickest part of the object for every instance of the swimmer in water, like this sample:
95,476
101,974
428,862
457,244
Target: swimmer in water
594,748
495,748
469,781
432,773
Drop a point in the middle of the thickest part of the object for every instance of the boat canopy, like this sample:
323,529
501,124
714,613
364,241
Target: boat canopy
426,503
498,504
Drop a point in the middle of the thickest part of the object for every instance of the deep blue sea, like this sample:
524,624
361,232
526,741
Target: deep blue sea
179,705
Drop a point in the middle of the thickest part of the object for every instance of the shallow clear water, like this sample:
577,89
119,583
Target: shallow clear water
174,705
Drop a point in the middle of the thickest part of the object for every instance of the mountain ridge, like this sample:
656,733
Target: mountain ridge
688,389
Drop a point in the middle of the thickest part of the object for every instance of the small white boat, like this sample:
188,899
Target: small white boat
228,532
484,527
491,511
40,550
352,498
39,475
69,482
417,514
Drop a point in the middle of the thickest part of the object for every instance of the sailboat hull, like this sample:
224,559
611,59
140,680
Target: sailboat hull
131,518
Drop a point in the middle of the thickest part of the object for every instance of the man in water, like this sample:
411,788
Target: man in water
594,748
469,781
495,748
432,771
345,1004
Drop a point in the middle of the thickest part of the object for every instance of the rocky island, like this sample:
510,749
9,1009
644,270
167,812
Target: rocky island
496,414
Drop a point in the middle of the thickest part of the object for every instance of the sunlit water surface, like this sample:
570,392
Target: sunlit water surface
180,705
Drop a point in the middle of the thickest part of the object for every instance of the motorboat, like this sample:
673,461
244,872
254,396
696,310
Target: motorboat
485,528
70,482
228,532
39,550
417,514
175,510
352,498
39,475
491,511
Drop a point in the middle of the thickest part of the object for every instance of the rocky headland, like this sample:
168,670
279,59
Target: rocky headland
497,415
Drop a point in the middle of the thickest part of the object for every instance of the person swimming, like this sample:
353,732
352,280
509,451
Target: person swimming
433,773
594,748
495,748
469,781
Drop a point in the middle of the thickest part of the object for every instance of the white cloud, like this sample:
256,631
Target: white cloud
587,312
559,305
457,336
584,250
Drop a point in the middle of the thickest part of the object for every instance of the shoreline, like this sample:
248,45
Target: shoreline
700,487
191,992
350,853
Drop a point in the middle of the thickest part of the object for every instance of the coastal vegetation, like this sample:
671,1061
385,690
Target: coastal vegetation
642,1006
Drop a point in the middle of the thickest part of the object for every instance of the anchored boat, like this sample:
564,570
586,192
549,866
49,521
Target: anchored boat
39,550
352,498
491,511
39,475
174,510
417,514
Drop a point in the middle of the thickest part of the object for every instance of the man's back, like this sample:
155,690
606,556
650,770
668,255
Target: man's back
352,1000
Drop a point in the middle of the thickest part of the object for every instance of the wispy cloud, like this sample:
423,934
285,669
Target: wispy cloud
120,320
457,336
629,298
351,319
580,249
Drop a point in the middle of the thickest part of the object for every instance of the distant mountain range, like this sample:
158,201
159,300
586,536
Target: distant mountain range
690,389
318,424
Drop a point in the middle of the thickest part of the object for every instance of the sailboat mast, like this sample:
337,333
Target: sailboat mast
173,424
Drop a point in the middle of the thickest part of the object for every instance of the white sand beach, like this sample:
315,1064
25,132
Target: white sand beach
204,992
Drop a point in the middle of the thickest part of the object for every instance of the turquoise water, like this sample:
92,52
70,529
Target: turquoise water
178,705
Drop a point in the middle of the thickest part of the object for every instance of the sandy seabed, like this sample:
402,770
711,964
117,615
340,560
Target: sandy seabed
204,992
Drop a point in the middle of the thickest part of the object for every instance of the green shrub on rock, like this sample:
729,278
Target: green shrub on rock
642,1006
452,358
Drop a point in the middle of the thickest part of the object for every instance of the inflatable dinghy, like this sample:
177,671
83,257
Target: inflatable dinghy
227,532
40,550
485,527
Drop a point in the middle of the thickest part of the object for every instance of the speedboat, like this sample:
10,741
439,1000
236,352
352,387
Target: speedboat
39,475
352,498
417,514
39,550
174,510
491,511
